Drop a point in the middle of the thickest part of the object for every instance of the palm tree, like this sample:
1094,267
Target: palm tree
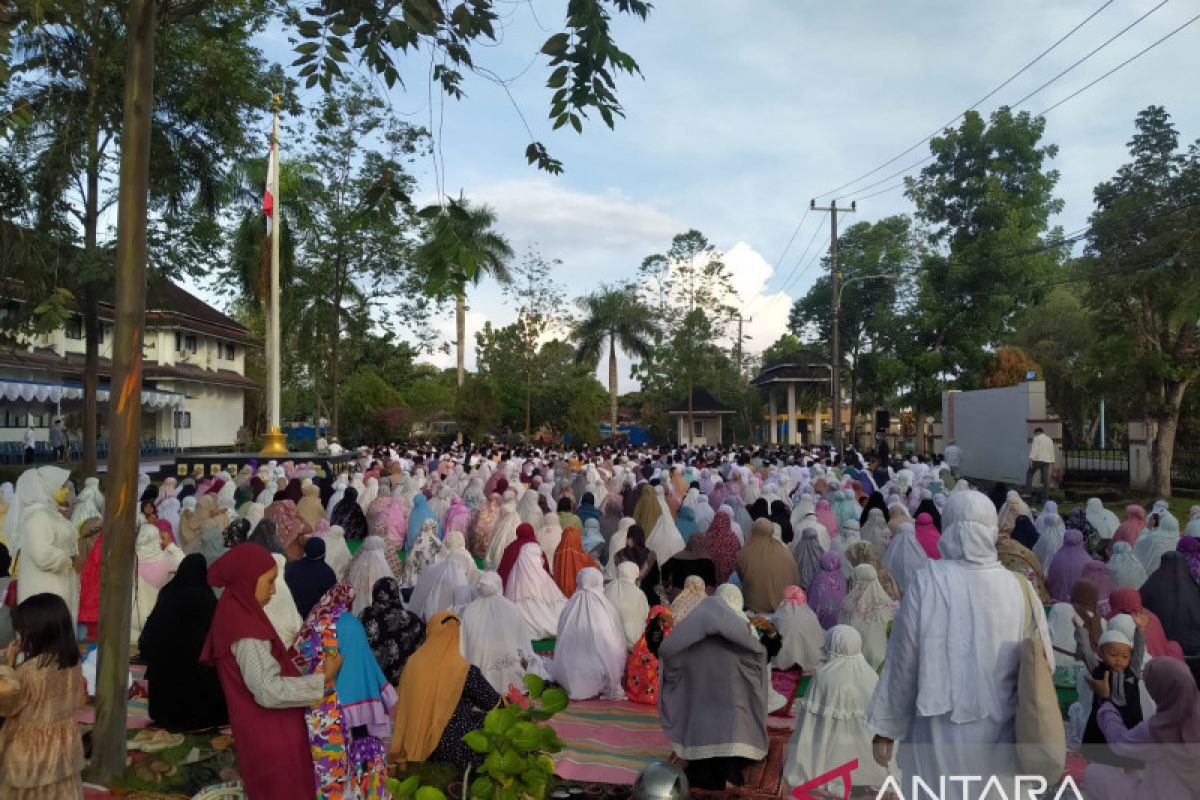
461,247
616,316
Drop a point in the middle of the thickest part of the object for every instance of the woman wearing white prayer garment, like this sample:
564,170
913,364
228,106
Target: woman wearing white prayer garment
868,609
529,510
831,729
1155,541
369,565
337,552
281,608
1051,533
89,504
803,638
905,556
454,548
615,545
549,534
505,532
590,653
496,639
629,600
435,589
1125,571
1104,521
535,592
665,539
876,531
46,541
948,688
804,515
1059,619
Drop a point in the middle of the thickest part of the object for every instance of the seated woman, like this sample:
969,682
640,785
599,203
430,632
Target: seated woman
832,726
641,668
496,639
535,592
442,698
692,560
635,550
154,568
589,654
185,695
803,637
393,632
715,646
629,601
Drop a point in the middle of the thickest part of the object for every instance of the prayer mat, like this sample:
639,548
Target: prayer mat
608,741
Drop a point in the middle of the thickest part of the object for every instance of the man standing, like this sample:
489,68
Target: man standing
58,441
954,458
1041,459
30,444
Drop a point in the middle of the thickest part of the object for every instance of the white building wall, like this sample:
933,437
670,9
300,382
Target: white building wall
994,428
217,413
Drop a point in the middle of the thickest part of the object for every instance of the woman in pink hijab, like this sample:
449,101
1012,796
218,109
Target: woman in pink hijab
928,535
826,516
1130,528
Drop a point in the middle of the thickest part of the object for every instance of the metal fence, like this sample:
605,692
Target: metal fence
1097,465
1185,469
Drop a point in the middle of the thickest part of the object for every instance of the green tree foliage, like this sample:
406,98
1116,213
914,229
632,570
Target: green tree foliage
68,75
367,399
538,300
874,258
1142,273
1060,334
984,205
583,56
612,317
689,289
357,251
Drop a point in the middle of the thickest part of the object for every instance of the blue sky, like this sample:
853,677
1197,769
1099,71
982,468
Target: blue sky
747,109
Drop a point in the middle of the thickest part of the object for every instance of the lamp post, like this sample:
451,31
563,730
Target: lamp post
840,282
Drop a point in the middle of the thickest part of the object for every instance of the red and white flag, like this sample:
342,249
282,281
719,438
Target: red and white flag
272,191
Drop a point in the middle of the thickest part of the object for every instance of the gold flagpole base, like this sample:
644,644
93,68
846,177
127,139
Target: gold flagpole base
274,443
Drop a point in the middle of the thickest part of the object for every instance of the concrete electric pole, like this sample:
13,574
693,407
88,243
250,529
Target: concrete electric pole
835,411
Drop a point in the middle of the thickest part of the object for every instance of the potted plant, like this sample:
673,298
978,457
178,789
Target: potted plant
517,745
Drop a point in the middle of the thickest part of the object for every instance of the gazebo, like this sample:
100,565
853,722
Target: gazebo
788,372
707,418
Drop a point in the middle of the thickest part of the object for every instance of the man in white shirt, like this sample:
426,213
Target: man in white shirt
954,458
1041,459
30,442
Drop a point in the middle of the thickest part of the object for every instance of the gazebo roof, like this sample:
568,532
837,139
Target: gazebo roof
702,403
796,369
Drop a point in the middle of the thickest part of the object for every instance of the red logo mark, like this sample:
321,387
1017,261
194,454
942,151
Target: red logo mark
843,772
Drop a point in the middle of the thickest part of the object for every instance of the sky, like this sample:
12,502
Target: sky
747,109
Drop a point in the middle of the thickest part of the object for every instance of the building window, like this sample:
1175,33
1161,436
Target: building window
698,428
74,329
183,419
185,342
229,351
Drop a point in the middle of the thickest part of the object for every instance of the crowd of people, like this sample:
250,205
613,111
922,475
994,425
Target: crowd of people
339,622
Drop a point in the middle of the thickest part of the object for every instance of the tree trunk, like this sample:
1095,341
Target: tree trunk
460,333
335,366
91,378
120,511
528,404
1162,447
691,427
91,298
612,388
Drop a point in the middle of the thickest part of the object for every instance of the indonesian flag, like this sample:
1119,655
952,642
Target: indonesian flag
272,190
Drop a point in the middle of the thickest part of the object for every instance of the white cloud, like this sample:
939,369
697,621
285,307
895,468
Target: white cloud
765,311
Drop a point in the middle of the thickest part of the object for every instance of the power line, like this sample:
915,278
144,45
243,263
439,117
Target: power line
1124,63
1097,49
978,102
788,246
792,275
1066,99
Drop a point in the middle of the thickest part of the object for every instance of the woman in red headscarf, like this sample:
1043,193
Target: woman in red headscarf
264,691
525,535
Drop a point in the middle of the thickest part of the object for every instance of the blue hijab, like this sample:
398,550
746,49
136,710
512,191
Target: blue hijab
593,540
420,512
587,510
360,684
686,522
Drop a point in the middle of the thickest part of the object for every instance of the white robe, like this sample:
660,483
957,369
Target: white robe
45,539
281,608
949,683
589,654
535,592
665,540
496,639
831,729
435,589
803,638
504,534
630,602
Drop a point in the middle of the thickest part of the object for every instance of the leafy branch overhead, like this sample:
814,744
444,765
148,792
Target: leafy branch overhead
584,57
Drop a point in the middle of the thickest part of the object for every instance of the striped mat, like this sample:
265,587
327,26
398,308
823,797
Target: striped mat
608,741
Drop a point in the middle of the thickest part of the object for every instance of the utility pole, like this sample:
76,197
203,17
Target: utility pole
835,411
737,350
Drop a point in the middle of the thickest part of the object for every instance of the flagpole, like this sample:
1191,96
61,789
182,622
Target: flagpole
275,441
